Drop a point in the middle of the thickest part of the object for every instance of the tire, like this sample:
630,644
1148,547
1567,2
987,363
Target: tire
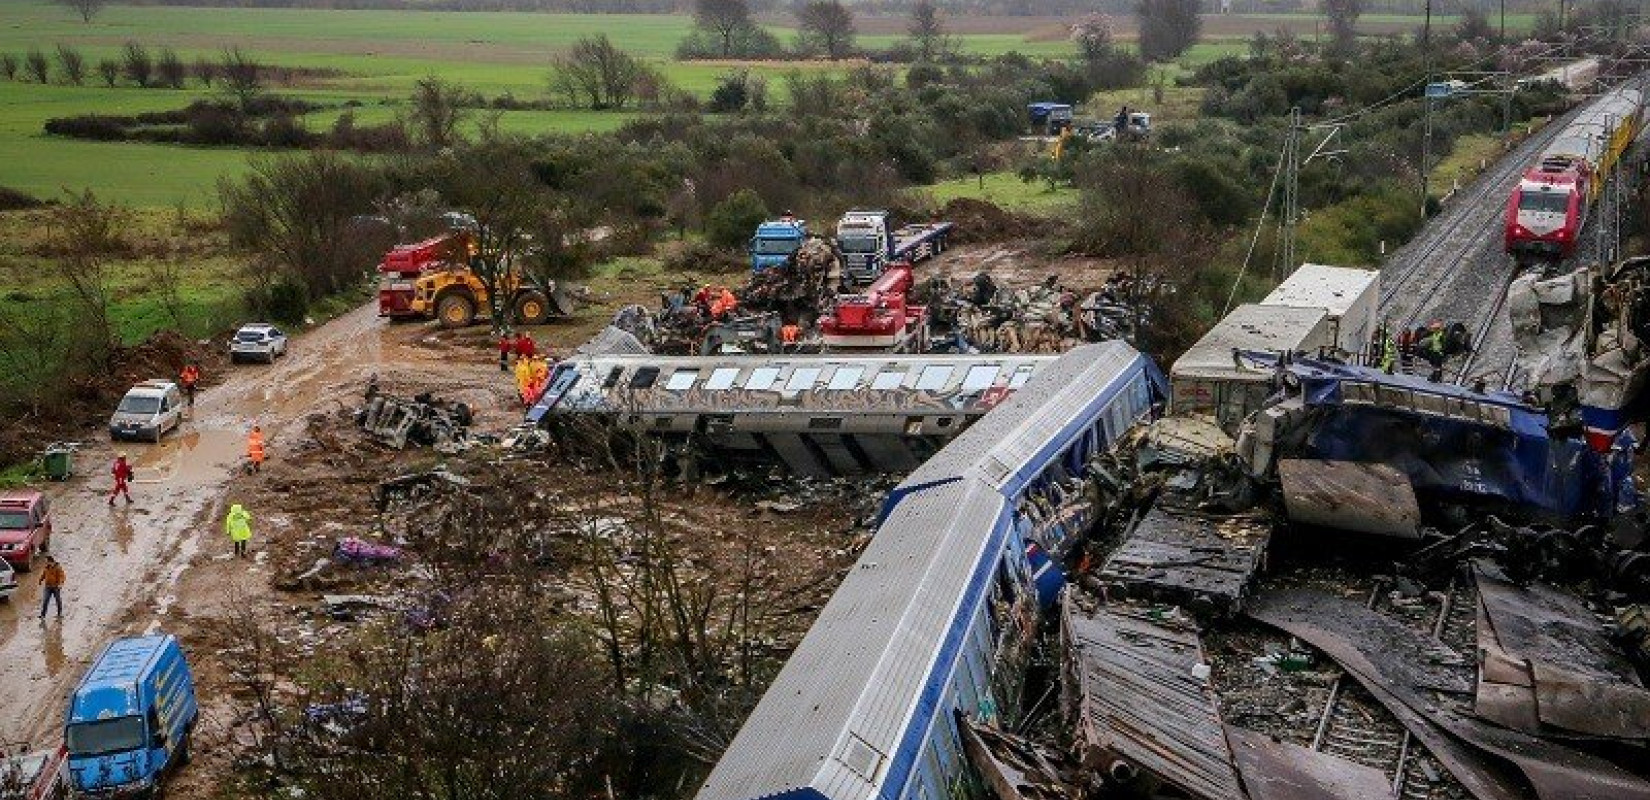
455,310
185,752
532,308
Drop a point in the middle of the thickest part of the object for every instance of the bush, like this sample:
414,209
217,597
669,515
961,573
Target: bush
14,200
91,126
730,223
288,302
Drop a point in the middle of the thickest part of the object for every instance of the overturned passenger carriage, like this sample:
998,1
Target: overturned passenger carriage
935,620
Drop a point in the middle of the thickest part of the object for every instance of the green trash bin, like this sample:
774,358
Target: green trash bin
59,462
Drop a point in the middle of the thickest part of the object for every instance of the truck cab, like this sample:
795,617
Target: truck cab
131,717
775,241
866,241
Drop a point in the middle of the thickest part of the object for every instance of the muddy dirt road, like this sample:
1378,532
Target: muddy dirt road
124,562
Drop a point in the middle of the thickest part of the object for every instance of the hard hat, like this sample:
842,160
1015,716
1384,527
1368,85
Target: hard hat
1436,326
121,454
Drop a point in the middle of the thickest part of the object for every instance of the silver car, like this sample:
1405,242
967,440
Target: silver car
258,342
148,411
8,579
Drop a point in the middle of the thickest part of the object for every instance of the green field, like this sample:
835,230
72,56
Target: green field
378,56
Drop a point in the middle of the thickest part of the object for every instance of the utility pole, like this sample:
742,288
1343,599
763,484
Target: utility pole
1503,21
1426,37
1426,148
1291,193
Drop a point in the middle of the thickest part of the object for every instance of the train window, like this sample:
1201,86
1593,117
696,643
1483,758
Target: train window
762,378
721,378
1021,374
644,377
803,378
612,378
845,378
888,379
1547,201
681,380
979,378
934,377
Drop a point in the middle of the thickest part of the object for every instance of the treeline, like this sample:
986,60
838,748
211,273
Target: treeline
138,66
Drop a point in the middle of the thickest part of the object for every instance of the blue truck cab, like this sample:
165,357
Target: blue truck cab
131,718
775,241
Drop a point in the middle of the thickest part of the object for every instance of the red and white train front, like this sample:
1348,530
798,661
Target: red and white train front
1547,210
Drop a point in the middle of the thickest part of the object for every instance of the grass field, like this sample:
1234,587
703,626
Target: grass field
380,54
1005,189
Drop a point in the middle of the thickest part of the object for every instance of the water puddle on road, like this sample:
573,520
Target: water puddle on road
193,457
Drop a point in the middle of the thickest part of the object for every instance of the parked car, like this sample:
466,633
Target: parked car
8,580
25,527
131,718
257,341
148,411
33,776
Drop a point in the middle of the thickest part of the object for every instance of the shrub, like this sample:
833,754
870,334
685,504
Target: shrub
9,65
730,222
91,126
72,63
14,200
288,301
171,70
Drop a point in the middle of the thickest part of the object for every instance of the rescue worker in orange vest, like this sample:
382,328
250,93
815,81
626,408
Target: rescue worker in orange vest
789,334
255,448
541,376
524,377
190,376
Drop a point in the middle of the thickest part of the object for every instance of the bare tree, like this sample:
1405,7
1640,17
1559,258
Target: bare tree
493,181
725,19
1343,23
139,65
596,73
437,111
827,25
72,64
205,70
928,31
85,8
85,232
1168,28
170,69
32,348
36,66
109,70
8,65
241,75
296,211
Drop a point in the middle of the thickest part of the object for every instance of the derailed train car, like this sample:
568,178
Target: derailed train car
936,618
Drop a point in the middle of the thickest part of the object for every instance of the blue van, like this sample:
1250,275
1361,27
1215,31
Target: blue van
130,718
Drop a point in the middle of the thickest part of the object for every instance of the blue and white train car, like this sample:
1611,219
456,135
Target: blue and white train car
920,629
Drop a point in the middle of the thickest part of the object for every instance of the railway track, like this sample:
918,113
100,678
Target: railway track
1352,724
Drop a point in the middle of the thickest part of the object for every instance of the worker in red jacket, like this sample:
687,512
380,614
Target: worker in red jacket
505,347
525,347
123,476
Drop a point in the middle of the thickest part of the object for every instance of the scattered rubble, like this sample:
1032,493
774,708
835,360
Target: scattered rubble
423,421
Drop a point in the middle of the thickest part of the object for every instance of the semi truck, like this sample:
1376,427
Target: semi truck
776,240
869,242
131,718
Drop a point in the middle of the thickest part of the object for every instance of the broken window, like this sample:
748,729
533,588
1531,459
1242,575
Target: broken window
721,378
682,380
888,379
934,377
845,378
644,377
803,378
979,378
762,378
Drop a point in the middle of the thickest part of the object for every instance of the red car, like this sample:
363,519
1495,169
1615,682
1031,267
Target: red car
25,527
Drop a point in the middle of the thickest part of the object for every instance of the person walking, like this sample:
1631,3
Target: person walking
52,578
122,472
190,376
255,448
505,346
239,527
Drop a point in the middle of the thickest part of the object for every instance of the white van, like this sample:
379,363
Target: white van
148,411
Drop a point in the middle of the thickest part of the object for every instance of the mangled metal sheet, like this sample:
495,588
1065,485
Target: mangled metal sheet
1358,497
1013,767
1548,667
1277,770
1397,665
1204,562
1143,702
613,341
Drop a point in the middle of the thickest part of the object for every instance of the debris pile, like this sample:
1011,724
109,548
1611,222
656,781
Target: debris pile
423,421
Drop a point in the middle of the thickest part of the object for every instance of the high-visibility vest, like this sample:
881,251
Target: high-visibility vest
238,524
255,446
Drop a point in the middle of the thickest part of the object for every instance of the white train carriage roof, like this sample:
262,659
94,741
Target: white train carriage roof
1587,135
849,711
1045,417
876,383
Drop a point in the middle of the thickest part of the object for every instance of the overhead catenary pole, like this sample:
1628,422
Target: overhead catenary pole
1291,194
